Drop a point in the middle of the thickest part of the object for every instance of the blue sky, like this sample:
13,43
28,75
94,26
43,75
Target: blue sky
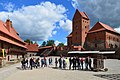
58,34
41,20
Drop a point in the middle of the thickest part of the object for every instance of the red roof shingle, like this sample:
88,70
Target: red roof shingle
83,14
107,27
32,48
101,28
70,35
11,33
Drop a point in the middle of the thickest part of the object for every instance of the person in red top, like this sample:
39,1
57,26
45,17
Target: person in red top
45,62
82,60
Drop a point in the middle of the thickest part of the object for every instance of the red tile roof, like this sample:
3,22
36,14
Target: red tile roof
83,14
12,33
107,27
46,47
32,48
70,35
96,30
104,27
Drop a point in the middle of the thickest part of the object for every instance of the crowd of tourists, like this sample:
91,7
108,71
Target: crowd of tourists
74,63
35,63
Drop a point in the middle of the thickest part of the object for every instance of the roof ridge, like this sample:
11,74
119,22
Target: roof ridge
107,26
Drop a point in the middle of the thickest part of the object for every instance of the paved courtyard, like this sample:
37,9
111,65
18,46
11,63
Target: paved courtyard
14,72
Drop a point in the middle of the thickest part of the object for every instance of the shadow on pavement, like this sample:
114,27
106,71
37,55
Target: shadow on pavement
109,76
19,68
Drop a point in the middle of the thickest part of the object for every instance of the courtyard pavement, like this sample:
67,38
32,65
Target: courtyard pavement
14,72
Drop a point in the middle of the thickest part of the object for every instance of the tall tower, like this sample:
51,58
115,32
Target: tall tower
80,28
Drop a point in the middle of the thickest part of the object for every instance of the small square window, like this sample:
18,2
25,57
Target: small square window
76,27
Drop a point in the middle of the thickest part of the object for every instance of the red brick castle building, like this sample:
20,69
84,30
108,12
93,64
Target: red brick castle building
100,36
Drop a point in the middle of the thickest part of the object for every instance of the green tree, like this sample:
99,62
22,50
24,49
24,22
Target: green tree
50,43
43,44
28,41
61,45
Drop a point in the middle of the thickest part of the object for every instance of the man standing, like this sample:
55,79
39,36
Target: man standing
86,63
31,63
82,60
70,63
90,62
60,62
56,62
74,63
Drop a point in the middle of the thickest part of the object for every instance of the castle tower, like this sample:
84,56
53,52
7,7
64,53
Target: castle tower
80,28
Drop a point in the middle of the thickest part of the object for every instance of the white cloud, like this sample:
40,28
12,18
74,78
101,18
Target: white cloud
57,42
117,29
36,22
107,11
74,4
65,43
54,32
66,24
8,6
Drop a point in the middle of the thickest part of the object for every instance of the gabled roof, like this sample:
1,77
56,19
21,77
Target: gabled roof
11,42
70,35
32,47
83,14
45,47
99,26
12,33
107,27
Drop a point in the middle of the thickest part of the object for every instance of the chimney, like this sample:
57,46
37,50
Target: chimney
8,24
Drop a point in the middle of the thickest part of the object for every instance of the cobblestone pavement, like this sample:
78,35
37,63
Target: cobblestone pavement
7,71
109,76
50,73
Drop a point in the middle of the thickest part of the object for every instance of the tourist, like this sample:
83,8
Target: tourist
45,62
50,61
74,63
60,62
70,63
56,62
26,62
78,62
42,62
23,64
37,63
31,63
82,60
86,63
64,64
67,62
90,62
